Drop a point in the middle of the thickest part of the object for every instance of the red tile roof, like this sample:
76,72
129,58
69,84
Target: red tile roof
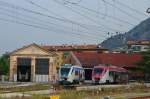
65,47
90,59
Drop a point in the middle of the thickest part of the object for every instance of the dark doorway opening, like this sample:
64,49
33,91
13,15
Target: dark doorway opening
24,69
88,74
42,66
42,69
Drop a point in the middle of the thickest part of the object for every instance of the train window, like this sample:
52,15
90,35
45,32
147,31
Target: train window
111,73
65,71
76,72
98,70
80,74
72,71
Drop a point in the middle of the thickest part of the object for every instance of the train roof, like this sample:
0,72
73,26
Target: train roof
69,66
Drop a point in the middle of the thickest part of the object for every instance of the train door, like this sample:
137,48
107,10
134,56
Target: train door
112,77
80,74
77,73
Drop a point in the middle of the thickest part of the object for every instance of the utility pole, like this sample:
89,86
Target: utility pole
148,11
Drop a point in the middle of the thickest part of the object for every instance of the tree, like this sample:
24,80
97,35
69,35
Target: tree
4,63
144,64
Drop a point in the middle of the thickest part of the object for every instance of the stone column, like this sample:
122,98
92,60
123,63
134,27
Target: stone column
54,73
33,69
13,68
51,67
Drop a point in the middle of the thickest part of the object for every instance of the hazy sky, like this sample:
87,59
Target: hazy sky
66,21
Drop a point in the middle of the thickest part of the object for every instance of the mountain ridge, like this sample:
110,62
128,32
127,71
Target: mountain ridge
139,32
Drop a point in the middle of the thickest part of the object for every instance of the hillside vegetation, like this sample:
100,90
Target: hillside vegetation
140,32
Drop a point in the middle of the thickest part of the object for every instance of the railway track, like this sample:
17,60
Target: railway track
98,87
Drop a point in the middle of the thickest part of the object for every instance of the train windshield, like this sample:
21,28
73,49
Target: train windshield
98,70
64,71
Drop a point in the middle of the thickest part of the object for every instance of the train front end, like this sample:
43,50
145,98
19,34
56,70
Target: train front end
64,72
98,75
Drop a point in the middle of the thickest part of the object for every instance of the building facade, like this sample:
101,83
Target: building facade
32,63
40,63
138,46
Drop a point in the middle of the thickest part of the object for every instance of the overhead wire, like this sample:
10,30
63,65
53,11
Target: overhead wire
35,12
114,10
44,14
131,8
98,17
109,16
97,22
36,25
83,25
34,18
30,17
97,12
105,4
44,28
80,24
121,10
81,14
43,8
2,3
77,2
98,7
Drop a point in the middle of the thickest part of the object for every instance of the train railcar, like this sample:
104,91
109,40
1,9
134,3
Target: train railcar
70,74
109,74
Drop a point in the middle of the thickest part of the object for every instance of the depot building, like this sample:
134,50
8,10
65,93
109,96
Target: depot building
32,63
40,63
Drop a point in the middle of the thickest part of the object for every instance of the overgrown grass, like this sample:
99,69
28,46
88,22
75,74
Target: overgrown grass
93,94
25,88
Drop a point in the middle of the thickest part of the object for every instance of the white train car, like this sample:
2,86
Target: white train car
70,74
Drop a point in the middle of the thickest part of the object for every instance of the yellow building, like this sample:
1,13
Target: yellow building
33,63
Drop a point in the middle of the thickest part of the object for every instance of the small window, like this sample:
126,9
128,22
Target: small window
72,71
76,73
65,71
81,74
111,73
98,70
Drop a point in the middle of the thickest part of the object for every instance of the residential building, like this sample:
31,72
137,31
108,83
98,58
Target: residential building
138,46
